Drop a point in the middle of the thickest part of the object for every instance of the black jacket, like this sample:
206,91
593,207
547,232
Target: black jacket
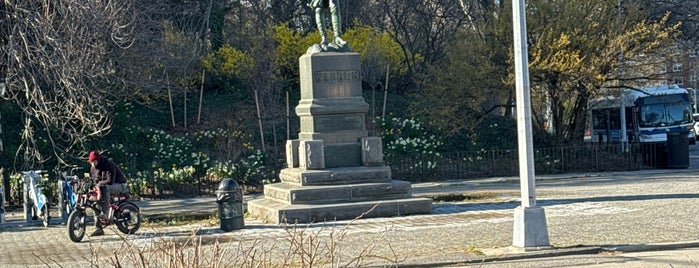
107,172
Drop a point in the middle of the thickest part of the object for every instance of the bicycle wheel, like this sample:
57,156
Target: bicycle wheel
45,216
128,218
76,225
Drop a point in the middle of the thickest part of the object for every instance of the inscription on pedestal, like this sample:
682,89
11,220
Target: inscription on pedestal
338,123
336,76
330,75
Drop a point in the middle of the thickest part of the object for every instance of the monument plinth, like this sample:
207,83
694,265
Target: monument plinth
334,171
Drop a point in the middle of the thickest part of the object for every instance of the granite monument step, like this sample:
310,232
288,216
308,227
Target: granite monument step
275,211
334,176
293,193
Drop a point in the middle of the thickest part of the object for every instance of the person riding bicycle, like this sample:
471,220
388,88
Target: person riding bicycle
111,180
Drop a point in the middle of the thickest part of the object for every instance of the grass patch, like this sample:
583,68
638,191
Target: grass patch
474,250
178,220
458,197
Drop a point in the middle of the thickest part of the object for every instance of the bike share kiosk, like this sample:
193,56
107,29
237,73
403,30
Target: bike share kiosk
230,205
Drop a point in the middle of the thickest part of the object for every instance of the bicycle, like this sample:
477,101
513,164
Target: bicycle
121,212
39,203
69,197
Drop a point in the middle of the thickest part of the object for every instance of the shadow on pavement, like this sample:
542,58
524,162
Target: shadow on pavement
449,208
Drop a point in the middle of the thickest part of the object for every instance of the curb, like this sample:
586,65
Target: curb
650,247
511,253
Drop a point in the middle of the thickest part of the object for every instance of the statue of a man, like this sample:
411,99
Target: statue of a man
333,6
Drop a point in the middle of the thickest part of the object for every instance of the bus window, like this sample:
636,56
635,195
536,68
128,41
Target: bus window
599,119
604,119
651,115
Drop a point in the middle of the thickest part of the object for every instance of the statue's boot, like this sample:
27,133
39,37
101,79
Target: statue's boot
320,21
337,29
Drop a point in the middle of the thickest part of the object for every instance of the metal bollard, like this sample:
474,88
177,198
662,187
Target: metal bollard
230,205
2,205
61,204
25,198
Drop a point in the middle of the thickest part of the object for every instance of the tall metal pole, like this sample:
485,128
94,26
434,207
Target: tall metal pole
622,113
530,230
5,183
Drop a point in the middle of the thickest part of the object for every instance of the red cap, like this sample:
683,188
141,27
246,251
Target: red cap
94,155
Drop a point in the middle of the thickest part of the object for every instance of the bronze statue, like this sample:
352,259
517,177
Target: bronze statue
320,6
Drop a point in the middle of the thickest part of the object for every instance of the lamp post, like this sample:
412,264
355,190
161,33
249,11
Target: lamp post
530,230
4,182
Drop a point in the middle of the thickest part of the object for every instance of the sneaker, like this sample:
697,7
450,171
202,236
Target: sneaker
97,232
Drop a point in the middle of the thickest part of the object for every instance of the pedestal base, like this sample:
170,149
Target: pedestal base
530,230
306,196
275,211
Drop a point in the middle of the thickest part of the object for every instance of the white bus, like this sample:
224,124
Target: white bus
645,115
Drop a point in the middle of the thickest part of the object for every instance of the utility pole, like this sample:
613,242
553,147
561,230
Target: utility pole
530,230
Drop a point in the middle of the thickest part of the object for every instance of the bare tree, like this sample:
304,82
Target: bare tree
59,72
164,62
684,12
422,28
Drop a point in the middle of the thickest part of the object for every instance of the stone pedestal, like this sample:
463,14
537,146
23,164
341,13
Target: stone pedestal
335,171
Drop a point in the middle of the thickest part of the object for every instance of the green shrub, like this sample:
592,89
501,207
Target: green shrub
409,137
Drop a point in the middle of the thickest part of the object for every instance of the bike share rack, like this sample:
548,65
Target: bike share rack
62,210
26,199
2,204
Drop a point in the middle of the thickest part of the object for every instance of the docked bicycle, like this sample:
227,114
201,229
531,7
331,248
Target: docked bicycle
68,196
121,212
37,199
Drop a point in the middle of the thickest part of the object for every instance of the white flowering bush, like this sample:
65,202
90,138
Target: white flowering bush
139,182
409,137
167,150
221,170
248,169
155,160
253,166
175,176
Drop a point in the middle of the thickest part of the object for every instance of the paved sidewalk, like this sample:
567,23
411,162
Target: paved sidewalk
586,214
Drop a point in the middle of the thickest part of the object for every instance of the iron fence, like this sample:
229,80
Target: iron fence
555,160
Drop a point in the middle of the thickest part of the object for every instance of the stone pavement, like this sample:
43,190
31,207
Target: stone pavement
586,214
